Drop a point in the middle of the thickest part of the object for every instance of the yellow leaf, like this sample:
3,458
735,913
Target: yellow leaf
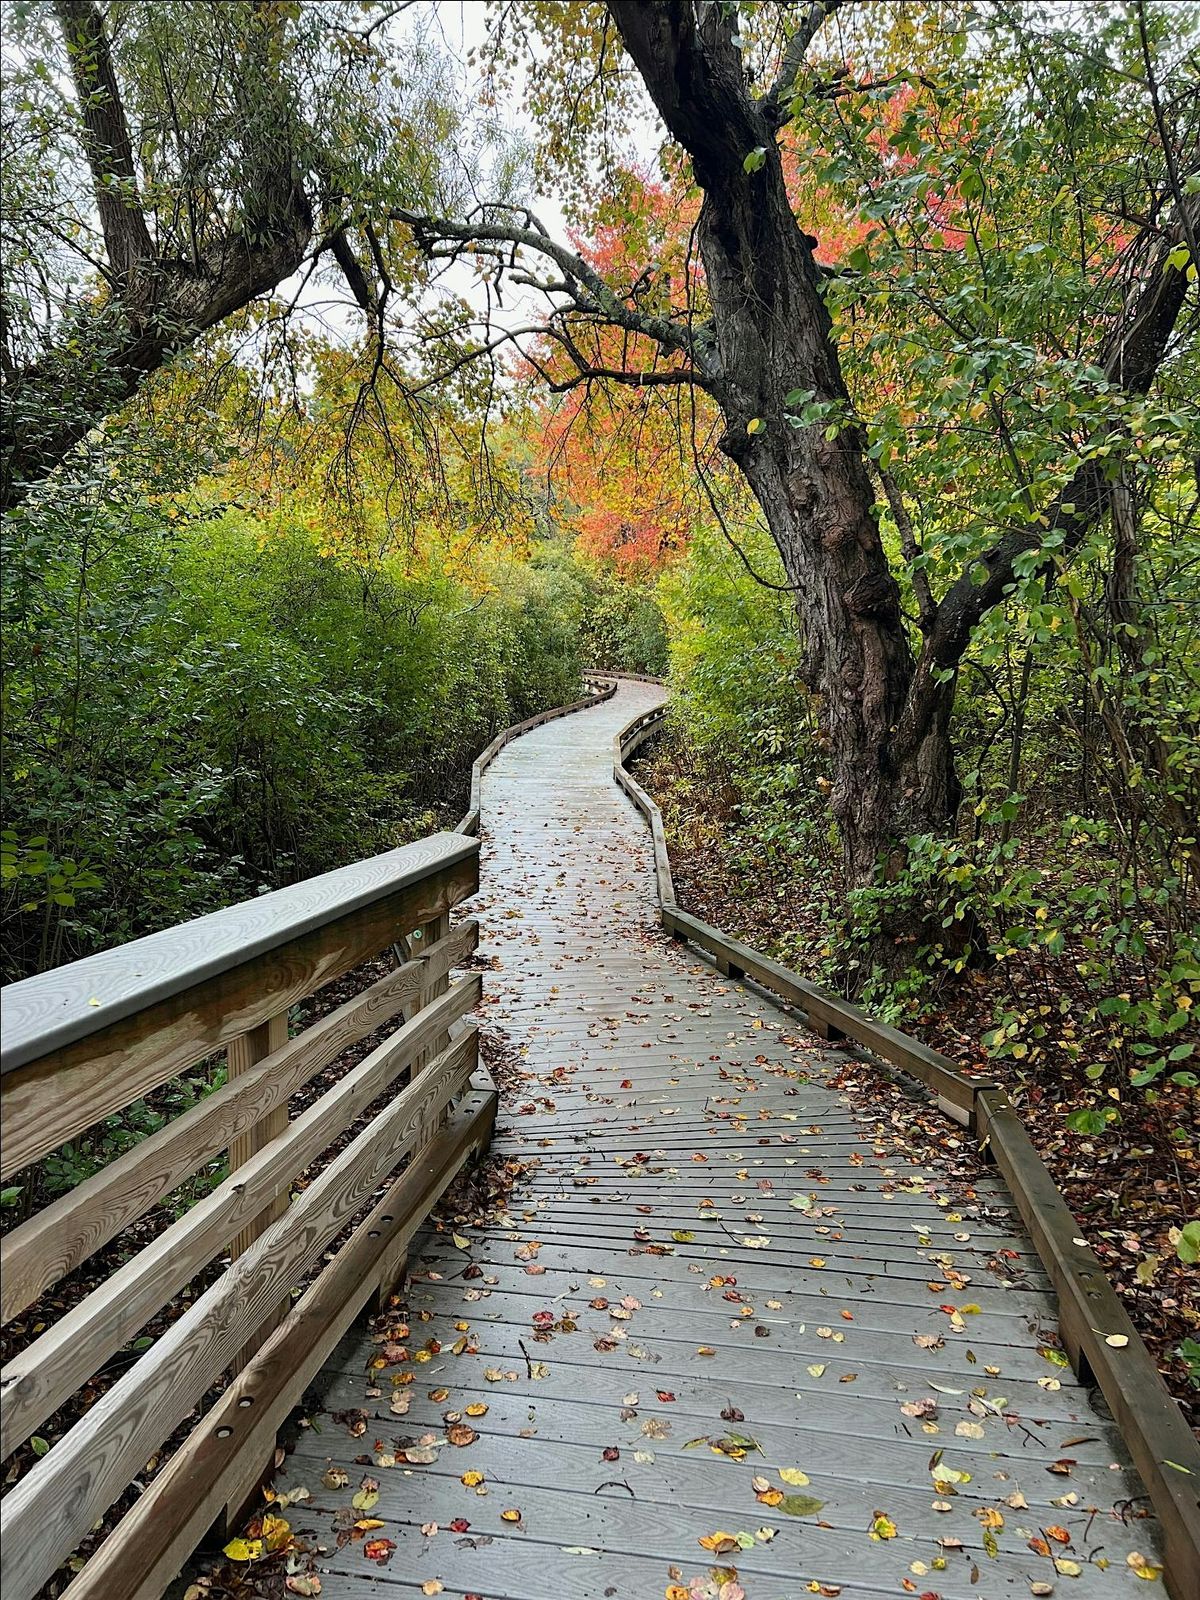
755,425
794,1475
472,1479
1143,1567
244,1549
477,1408
510,1515
276,1531
720,1543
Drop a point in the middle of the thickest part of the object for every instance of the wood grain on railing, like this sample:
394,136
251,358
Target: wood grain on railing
109,1444
37,1381
66,1233
241,1055
115,1026
161,1004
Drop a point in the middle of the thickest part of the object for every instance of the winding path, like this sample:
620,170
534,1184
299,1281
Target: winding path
735,1292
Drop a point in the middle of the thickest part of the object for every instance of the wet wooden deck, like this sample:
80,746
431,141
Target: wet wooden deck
731,1296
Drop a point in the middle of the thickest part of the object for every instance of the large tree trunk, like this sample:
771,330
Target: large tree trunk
774,335
157,302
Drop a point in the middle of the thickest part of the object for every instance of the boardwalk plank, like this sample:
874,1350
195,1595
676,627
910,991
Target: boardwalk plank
638,1059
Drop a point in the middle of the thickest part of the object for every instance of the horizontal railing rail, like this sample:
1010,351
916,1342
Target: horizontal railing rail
1098,1337
87,1040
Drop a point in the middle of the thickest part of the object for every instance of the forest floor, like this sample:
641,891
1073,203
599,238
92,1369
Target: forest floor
1129,1187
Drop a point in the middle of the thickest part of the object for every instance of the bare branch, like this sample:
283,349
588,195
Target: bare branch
793,57
580,281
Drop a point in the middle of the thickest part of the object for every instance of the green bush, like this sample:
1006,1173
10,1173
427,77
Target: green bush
195,712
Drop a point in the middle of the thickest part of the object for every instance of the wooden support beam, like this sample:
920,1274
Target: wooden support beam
35,1382
90,1466
242,1054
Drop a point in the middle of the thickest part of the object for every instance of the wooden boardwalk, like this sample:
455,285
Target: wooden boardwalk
731,1296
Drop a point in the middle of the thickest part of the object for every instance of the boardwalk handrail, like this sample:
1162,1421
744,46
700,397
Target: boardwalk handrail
1097,1334
87,1040
84,1041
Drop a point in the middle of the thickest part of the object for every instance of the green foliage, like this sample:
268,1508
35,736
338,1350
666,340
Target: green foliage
1079,915
622,625
196,711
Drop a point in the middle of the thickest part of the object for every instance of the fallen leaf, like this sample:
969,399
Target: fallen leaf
245,1549
799,1505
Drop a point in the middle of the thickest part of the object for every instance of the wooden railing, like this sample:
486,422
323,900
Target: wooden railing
1100,1340
85,1041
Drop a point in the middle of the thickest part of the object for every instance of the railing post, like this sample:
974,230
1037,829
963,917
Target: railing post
242,1053
420,943
429,933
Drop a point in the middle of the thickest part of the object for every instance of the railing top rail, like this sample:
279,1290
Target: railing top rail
56,1008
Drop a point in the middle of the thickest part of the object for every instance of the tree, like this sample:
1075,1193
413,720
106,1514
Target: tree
759,337
209,153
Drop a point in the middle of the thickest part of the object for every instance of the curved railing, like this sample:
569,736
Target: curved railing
1096,1331
605,688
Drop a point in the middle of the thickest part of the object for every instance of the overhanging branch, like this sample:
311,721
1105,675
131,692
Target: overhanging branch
583,286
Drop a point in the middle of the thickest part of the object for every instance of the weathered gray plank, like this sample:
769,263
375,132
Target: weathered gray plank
584,980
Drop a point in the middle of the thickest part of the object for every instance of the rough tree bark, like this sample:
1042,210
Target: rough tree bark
774,335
